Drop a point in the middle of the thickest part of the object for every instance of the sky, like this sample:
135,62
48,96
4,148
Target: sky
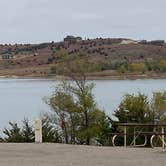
37,21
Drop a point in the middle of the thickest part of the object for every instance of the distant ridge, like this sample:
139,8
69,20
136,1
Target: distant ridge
38,59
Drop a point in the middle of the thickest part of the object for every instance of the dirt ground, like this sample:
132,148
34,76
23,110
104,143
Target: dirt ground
73,155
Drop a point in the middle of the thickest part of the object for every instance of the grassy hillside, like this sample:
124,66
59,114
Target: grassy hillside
113,57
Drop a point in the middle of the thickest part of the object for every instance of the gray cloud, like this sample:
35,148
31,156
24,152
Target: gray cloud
46,20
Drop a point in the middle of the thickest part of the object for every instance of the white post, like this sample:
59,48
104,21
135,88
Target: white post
163,141
38,131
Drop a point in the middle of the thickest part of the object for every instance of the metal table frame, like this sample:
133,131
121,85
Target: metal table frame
137,133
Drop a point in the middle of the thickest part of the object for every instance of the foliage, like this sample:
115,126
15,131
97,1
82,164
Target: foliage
49,131
74,105
79,118
158,105
162,65
138,67
68,63
25,132
13,134
75,66
137,108
17,134
134,108
122,69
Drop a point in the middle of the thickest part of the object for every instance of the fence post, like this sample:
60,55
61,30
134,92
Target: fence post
38,131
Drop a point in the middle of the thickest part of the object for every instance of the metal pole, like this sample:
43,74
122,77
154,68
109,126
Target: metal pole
134,137
125,136
162,131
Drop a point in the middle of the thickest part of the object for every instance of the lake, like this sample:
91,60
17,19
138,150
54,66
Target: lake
21,98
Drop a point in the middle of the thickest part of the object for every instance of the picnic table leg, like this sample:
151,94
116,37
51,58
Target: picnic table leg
163,141
125,136
134,137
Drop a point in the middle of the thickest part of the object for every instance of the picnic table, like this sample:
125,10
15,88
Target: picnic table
157,131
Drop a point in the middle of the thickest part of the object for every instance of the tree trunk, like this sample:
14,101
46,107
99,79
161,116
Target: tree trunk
86,127
66,135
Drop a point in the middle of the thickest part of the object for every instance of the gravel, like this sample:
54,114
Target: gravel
74,155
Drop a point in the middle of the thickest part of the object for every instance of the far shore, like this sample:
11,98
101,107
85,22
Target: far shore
105,77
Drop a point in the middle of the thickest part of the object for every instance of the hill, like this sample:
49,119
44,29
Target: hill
114,56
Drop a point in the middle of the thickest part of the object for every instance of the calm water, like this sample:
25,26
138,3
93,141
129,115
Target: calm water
21,98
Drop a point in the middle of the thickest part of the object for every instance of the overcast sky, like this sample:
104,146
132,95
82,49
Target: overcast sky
36,21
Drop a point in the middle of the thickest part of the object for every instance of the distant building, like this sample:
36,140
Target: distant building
7,56
157,42
72,39
143,42
153,42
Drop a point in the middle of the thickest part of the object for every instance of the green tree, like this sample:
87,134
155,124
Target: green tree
27,131
77,114
122,69
138,67
134,108
162,65
91,118
74,104
62,103
13,134
50,132
159,106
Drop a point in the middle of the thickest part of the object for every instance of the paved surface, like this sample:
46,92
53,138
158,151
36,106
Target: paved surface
69,155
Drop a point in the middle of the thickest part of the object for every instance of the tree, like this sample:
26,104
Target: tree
49,130
138,67
77,114
134,108
162,65
122,69
13,134
27,131
74,104
62,103
91,118
159,106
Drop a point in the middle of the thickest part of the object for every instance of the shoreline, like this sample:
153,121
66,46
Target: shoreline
108,77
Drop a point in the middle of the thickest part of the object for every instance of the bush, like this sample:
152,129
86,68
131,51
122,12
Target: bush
134,108
17,134
25,133
138,67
